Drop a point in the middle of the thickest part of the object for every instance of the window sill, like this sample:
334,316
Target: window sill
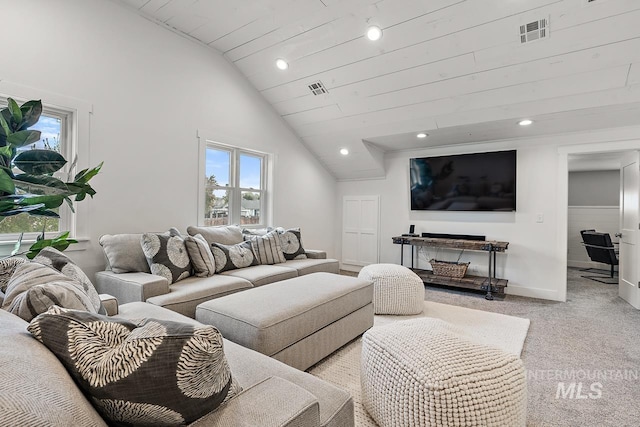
7,246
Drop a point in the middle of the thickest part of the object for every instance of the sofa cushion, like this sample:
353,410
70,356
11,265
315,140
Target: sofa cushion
124,253
227,234
153,372
167,256
204,265
260,275
55,259
36,389
313,265
291,241
34,288
250,367
7,267
267,248
185,295
230,257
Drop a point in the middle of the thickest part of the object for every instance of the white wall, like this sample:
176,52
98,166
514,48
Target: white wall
535,264
594,188
151,90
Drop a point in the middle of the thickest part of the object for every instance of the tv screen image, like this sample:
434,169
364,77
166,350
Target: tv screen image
465,182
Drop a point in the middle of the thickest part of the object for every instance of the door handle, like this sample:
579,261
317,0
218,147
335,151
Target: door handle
618,234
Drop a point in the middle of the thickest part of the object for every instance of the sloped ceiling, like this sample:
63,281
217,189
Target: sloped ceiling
455,69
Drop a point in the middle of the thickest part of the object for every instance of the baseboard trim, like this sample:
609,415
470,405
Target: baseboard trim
523,291
590,264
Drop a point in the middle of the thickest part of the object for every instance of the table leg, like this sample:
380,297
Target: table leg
489,296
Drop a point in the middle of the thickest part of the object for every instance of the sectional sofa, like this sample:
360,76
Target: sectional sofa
129,279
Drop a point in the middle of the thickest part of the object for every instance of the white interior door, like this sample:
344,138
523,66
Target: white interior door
360,223
629,255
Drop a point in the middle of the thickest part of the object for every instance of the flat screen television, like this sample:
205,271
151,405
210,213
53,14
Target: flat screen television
465,182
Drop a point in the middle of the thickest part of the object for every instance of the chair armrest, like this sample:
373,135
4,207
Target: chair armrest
110,304
130,287
274,402
315,254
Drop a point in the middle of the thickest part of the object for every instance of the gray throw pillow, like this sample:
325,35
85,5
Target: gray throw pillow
124,253
267,248
34,288
167,256
7,267
55,259
227,234
230,257
154,373
291,241
204,264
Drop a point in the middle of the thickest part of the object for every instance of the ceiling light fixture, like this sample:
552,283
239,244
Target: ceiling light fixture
344,151
282,64
374,33
421,135
525,122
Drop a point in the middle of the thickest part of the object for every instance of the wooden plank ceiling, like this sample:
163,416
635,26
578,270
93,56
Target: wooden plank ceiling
455,69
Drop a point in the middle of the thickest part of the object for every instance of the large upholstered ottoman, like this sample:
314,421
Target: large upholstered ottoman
424,372
297,321
396,289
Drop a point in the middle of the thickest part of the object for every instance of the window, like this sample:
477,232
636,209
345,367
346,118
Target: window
54,127
234,186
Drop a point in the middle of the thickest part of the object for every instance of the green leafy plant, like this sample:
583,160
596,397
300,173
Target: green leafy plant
27,184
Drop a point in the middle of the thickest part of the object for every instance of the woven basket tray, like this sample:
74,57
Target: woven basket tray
449,268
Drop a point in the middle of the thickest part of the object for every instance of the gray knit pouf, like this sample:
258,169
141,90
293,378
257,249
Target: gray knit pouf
396,289
423,372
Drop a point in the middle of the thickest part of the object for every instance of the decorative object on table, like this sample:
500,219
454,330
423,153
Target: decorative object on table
449,268
396,289
35,191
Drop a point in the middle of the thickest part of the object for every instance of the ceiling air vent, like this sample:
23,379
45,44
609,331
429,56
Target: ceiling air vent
317,88
534,31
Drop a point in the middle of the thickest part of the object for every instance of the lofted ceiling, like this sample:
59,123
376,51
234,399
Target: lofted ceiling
454,69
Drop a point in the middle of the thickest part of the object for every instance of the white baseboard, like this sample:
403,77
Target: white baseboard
523,291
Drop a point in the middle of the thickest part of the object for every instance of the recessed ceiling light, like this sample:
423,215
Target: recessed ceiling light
525,122
421,135
374,33
282,64
344,151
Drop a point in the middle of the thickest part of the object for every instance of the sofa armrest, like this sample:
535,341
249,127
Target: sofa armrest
315,254
274,402
110,304
130,287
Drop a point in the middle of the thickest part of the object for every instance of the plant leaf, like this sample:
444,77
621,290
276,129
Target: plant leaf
16,112
6,182
16,247
44,183
23,137
31,111
39,161
5,126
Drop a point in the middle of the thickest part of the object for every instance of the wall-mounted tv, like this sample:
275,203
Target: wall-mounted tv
465,182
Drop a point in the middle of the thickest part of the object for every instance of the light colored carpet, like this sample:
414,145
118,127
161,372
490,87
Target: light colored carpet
498,330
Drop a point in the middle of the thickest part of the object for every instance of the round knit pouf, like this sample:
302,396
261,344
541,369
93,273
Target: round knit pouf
423,372
396,289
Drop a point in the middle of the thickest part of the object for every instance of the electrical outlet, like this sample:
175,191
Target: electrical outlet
540,218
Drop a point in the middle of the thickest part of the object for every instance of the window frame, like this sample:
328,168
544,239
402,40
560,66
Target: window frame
234,189
68,148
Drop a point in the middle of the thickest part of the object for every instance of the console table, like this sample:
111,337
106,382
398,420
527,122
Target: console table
489,283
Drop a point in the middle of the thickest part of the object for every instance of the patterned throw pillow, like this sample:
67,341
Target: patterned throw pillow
256,231
158,373
7,267
230,257
267,248
34,288
291,241
167,256
204,265
53,258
